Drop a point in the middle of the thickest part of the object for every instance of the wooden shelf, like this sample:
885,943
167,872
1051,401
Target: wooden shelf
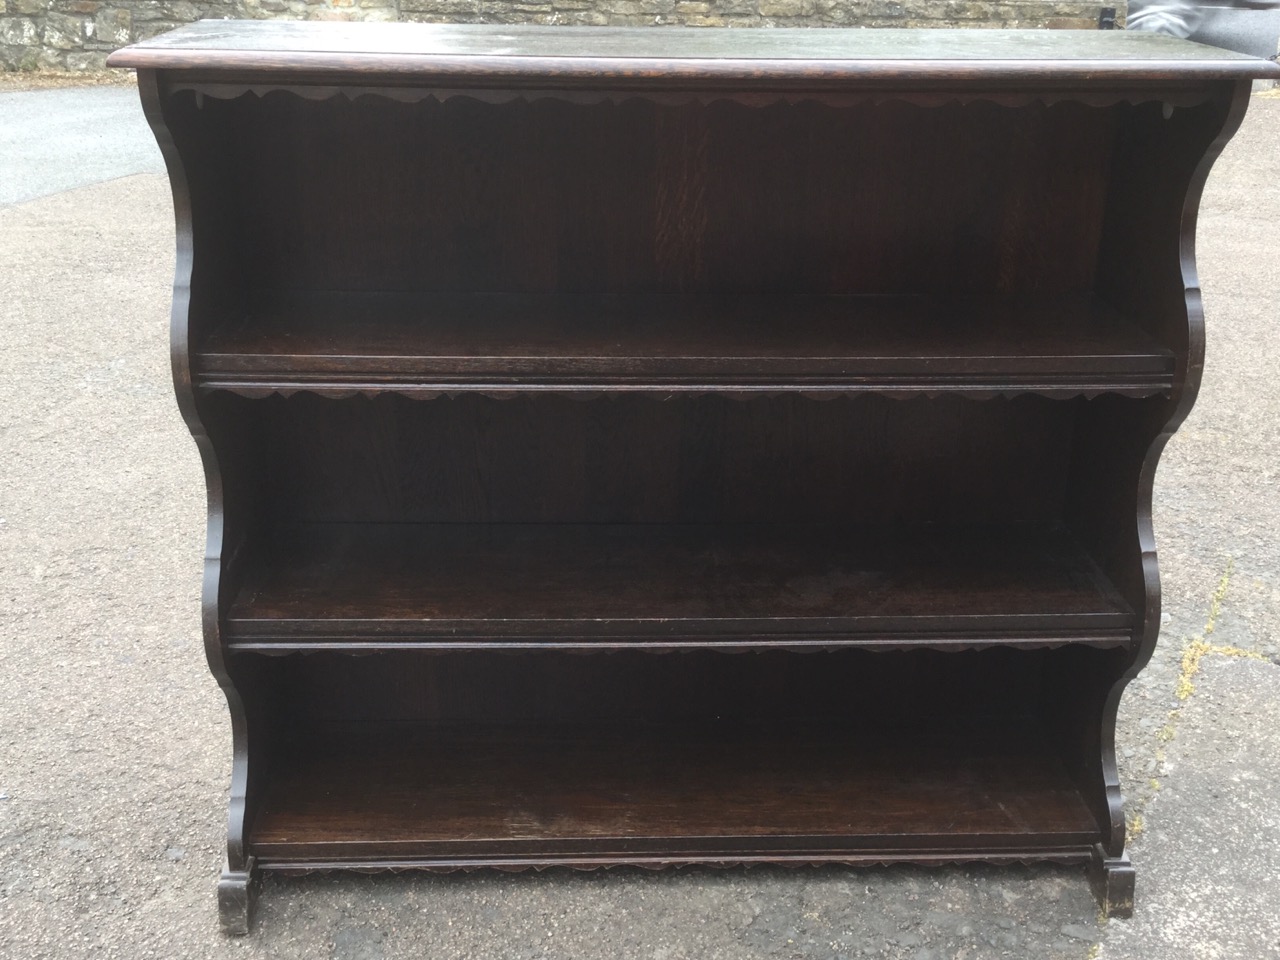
565,586
587,792
340,343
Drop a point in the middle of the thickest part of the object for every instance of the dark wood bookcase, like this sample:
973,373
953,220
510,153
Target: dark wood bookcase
833,366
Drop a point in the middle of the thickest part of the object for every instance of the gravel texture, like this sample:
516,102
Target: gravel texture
114,741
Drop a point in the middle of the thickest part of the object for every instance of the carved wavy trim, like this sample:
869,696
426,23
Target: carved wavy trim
1172,96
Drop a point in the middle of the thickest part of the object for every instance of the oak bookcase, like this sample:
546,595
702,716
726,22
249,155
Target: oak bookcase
518,356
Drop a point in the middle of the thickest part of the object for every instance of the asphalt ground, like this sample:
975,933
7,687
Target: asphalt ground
55,140
114,740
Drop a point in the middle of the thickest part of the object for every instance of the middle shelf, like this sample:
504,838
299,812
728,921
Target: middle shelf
338,343
367,586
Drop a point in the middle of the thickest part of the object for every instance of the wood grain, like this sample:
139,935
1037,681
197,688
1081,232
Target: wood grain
509,54
709,791
418,344
559,200
368,586
648,458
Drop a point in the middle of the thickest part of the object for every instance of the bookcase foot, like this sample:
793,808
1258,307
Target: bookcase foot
1113,880
237,891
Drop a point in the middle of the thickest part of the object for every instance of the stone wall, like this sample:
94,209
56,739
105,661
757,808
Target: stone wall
78,34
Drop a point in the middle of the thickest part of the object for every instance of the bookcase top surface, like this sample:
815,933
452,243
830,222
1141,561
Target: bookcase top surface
635,53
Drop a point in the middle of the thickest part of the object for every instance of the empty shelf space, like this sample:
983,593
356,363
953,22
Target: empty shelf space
426,344
575,792
597,586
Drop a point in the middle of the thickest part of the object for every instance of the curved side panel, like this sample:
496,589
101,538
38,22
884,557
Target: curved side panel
152,105
1186,387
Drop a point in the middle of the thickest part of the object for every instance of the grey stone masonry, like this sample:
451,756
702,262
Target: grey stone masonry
78,34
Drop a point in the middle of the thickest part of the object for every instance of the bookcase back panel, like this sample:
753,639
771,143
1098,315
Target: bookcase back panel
638,459
869,690
544,195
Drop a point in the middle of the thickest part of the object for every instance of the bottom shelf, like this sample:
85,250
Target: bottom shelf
455,795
